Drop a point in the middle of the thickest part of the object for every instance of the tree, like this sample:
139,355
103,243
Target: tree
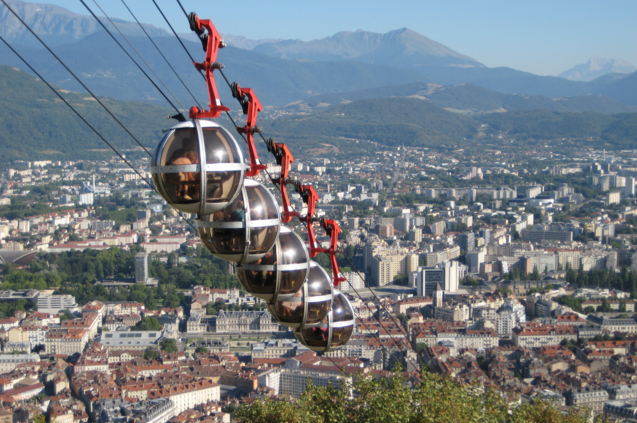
151,354
168,345
435,399
201,350
65,315
535,276
148,323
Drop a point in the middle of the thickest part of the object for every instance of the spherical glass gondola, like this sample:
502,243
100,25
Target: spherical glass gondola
281,271
198,167
309,305
334,331
246,229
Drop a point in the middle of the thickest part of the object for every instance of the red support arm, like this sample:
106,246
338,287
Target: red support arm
214,43
310,197
253,108
333,230
284,158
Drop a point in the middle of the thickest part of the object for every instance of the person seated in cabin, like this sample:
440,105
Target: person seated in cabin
186,146
189,157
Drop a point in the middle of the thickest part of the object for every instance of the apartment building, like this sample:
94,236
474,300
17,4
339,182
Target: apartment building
66,340
53,304
245,322
387,265
8,362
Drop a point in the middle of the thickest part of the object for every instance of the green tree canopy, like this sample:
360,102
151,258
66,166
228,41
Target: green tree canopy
148,323
168,345
436,398
151,354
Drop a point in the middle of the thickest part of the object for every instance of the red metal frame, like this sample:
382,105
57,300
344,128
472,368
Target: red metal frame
214,44
283,156
254,107
333,230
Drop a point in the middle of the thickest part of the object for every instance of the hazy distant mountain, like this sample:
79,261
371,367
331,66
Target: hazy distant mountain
57,25
624,90
407,49
239,41
596,67
356,60
104,67
402,48
468,98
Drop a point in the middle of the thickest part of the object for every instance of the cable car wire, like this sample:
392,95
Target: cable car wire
162,54
91,126
75,111
182,8
393,318
270,177
76,77
131,57
406,335
176,36
140,56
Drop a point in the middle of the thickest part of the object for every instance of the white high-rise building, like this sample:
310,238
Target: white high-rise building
141,267
354,282
52,304
629,188
87,198
445,274
474,259
505,322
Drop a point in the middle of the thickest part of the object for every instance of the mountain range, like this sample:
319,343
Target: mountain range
596,67
35,124
109,72
467,98
282,71
57,25
402,48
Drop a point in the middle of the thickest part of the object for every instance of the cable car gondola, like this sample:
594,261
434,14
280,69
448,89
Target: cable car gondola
245,230
334,331
309,305
281,271
198,167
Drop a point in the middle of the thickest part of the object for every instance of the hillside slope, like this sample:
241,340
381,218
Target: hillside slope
36,124
57,25
388,122
470,98
624,89
107,70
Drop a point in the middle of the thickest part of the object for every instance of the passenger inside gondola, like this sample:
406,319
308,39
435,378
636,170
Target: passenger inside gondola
186,178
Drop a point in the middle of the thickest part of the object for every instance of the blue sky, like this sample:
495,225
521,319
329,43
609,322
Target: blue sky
543,37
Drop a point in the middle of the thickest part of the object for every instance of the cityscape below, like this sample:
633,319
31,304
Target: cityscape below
364,227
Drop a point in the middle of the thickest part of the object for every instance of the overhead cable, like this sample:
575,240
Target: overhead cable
75,76
131,57
76,112
160,52
140,56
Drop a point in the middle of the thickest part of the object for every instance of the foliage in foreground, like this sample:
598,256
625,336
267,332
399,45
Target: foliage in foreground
437,399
